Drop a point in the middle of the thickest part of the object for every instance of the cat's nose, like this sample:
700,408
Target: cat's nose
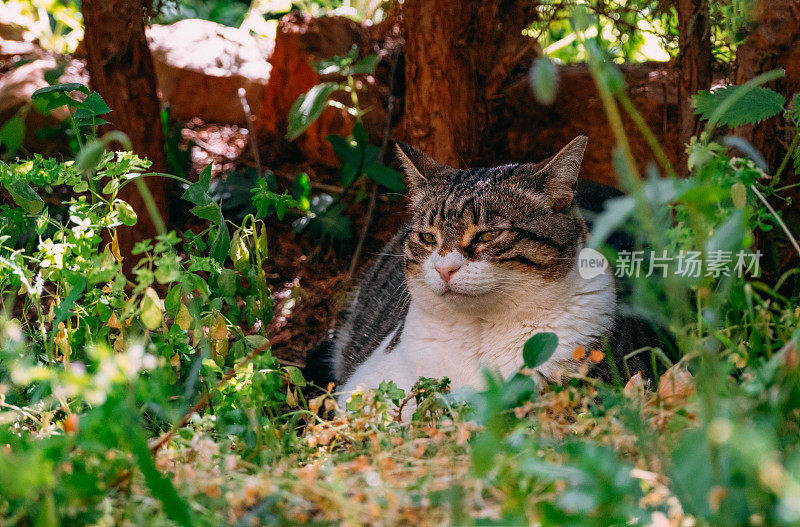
446,271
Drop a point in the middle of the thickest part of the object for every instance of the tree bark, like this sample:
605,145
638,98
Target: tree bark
460,55
121,71
694,63
775,43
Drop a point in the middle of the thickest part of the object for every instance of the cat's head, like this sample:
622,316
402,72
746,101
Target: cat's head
479,236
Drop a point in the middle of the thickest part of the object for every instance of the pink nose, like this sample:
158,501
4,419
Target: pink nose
447,271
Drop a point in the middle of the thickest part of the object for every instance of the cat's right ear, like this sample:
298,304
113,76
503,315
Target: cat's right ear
419,168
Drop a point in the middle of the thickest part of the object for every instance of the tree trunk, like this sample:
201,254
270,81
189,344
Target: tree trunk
121,71
694,63
775,43
459,57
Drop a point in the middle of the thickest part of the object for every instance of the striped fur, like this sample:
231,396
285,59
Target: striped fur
514,234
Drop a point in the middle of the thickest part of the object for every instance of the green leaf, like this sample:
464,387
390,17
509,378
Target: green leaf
332,225
172,302
197,193
360,135
61,88
90,155
150,310
256,341
11,134
729,236
51,76
95,103
386,176
616,212
755,104
62,311
301,190
544,79
227,282
336,64
222,242
209,211
160,486
484,448
126,213
344,149
24,196
296,376
539,348
262,243
365,65
47,516
308,107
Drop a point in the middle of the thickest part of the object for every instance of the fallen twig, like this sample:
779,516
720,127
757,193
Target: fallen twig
251,132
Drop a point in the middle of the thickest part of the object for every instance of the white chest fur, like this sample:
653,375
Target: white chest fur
438,341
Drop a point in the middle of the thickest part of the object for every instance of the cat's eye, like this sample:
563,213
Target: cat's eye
487,236
427,237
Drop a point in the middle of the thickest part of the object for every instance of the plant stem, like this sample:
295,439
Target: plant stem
151,174
786,159
777,217
251,132
373,196
655,146
152,209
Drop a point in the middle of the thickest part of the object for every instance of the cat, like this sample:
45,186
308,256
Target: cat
488,259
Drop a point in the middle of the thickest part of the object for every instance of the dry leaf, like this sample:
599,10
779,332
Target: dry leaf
635,386
325,436
219,331
184,319
113,246
316,403
676,385
212,490
113,322
463,435
715,497
291,398
71,423
789,355
309,473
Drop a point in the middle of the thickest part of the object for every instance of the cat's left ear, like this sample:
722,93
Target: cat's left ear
561,173
420,169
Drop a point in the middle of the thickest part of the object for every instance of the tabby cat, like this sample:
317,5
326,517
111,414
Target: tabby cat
488,259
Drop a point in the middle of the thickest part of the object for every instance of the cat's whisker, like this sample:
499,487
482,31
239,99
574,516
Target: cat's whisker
508,243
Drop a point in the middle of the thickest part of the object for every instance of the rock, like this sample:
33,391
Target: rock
14,48
534,132
17,86
201,65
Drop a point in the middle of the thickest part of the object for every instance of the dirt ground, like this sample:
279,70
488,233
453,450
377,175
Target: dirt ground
309,280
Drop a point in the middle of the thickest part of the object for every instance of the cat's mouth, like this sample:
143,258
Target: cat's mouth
451,293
